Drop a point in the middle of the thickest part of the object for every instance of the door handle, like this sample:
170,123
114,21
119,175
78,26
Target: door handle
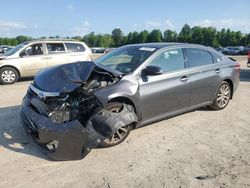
217,70
184,78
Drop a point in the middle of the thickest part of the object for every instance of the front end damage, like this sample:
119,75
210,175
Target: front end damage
69,121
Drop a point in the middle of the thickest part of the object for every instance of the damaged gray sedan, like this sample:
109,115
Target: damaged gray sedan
70,109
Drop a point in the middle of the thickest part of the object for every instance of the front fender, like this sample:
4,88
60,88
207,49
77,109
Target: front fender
127,87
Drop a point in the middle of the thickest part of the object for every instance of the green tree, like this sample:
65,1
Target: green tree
13,42
90,39
129,38
170,36
209,39
238,38
117,36
221,36
155,36
248,39
201,35
228,40
135,37
108,40
186,34
23,38
78,38
197,35
142,37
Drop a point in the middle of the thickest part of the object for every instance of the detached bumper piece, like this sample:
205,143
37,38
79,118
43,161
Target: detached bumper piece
72,140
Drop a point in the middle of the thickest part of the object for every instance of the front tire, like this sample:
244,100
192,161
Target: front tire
8,75
121,133
223,96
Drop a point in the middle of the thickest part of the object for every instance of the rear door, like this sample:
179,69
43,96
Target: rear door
56,53
33,59
204,76
77,52
167,93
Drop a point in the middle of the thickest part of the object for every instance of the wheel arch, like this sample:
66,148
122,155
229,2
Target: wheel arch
13,67
125,100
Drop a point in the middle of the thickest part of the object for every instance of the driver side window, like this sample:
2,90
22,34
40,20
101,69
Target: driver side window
35,49
169,60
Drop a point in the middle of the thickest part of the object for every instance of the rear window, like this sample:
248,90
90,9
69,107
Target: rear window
75,47
198,57
55,48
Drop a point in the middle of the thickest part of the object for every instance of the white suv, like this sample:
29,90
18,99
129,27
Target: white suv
28,58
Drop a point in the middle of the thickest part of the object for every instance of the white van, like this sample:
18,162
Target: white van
28,58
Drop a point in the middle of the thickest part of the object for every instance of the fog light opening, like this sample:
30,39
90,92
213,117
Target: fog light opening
52,145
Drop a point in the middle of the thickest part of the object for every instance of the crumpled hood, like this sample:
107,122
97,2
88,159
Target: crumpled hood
66,77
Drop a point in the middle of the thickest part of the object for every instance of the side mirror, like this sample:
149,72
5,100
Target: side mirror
152,70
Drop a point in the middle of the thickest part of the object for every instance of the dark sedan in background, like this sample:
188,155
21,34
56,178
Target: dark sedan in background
70,109
234,50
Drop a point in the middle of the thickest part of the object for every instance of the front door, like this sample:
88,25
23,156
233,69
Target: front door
33,59
165,94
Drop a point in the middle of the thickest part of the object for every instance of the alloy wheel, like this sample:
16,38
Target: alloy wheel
120,134
223,95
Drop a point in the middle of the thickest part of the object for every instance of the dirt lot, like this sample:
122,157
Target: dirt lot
202,148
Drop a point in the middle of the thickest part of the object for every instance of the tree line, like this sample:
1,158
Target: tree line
208,36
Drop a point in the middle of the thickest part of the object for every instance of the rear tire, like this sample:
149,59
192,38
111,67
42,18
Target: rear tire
122,133
8,75
222,97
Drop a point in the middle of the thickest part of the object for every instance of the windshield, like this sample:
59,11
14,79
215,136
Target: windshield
126,59
14,50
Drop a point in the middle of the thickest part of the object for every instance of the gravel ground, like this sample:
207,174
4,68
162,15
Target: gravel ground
202,148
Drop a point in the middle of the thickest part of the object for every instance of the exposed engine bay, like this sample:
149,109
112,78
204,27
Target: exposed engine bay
78,104
66,112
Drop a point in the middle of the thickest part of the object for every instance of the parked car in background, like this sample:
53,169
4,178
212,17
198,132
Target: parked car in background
95,50
107,50
70,109
28,58
5,48
248,61
219,49
246,50
233,50
101,50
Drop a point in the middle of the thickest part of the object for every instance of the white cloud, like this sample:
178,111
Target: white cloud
138,27
162,25
70,7
169,24
10,25
82,29
233,24
153,24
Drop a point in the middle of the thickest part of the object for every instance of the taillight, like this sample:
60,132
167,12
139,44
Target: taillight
248,55
237,66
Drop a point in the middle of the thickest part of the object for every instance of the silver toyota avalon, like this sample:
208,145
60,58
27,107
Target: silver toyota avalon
70,109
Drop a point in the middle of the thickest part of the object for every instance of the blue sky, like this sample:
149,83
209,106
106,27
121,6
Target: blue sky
71,18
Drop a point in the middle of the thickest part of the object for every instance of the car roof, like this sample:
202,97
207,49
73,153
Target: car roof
55,40
167,44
